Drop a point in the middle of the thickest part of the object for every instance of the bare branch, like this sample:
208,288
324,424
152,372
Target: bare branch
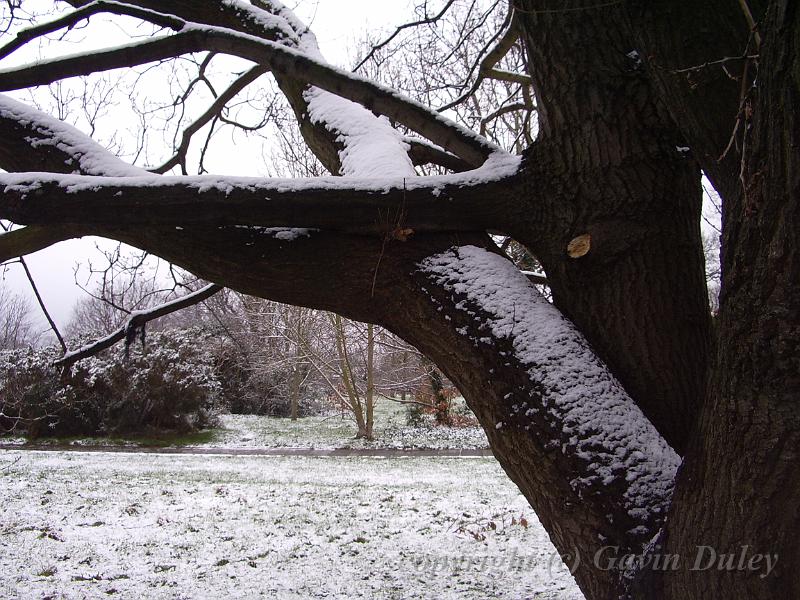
27,240
502,111
36,293
423,152
42,305
425,21
213,111
416,116
70,20
502,75
136,321
485,65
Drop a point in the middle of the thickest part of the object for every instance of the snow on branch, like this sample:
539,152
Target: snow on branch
573,400
29,134
441,203
100,6
455,138
422,152
136,322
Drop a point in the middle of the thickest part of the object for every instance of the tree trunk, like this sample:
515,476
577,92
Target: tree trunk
355,405
609,202
370,392
619,237
295,393
737,494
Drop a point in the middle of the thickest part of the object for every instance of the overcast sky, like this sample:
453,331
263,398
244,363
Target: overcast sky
338,24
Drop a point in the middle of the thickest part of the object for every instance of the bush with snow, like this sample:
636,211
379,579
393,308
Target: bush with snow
169,384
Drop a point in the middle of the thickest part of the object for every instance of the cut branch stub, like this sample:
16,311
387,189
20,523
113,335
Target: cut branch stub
579,246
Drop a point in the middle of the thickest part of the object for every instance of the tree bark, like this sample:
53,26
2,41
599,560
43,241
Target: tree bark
738,490
364,279
610,166
609,202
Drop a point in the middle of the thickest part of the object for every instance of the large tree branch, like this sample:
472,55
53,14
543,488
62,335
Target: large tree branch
444,203
28,240
414,115
332,127
100,6
31,140
559,423
423,152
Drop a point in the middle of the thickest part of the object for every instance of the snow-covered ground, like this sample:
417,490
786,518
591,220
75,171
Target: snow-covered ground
391,431
319,432
103,525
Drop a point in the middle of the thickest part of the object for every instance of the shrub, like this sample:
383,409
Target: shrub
167,385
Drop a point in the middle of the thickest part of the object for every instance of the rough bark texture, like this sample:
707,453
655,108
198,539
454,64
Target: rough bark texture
611,163
739,487
363,279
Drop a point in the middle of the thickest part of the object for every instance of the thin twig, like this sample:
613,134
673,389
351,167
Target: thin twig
39,299
425,21
12,463
751,23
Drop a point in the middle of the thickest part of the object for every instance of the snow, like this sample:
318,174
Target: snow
372,147
346,119
498,166
329,432
288,234
89,157
94,525
374,154
599,423
284,30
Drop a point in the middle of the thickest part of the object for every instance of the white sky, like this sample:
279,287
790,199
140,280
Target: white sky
338,24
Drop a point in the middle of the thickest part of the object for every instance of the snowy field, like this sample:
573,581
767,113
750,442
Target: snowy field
102,525
391,431
319,432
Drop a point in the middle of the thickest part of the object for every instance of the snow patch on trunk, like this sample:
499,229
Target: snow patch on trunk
372,148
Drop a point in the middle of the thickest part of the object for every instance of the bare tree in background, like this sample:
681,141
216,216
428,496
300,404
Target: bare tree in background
17,325
589,403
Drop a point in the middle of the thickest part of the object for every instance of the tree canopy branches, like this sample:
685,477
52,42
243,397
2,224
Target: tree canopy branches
287,61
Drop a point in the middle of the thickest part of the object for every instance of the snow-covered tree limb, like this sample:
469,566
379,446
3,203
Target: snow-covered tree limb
466,201
72,19
136,321
281,59
31,140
